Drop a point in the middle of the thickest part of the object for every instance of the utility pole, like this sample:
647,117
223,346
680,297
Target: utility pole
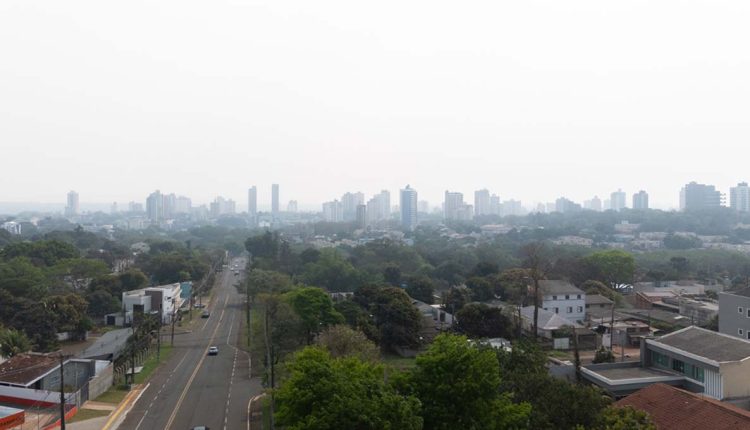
174,318
247,304
158,335
62,392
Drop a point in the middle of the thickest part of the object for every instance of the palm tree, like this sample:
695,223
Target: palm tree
13,342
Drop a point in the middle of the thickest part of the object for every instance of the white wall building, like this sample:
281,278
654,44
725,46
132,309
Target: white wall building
564,299
164,300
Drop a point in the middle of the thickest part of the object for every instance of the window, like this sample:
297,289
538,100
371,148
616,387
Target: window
570,309
740,310
567,297
579,296
748,334
659,359
694,372
580,309
557,310
545,309
678,366
740,332
748,312
554,297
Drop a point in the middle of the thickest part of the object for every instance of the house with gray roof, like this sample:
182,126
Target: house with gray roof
713,364
734,313
564,299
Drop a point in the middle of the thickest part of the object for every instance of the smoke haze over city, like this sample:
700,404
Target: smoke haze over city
532,100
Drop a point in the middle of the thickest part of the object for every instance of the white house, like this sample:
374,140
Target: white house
164,300
564,299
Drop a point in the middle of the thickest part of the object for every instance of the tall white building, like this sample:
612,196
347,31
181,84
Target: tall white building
495,204
379,207
408,208
617,200
349,203
482,202
452,205
275,200
72,207
333,211
739,197
155,207
640,200
594,204
170,206
221,206
252,202
292,206
183,205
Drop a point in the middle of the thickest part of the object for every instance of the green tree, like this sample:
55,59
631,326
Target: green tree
456,298
315,309
603,356
613,267
420,288
332,272
13,342
481,289
41,253
22,279
398,321
477,320
266,281
101,303
459,387
392,274
323,393
625,418
342,341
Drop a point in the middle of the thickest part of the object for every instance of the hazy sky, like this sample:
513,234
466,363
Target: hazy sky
531,99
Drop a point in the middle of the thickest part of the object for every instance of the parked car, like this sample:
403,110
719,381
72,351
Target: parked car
205,314
213,350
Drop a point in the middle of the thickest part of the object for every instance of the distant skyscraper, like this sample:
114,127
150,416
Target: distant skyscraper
423,206
408,208
155,207
221,206
135,207
452,205
252,202
495,204
564,205
292,206
694,196
739,197
332,211
512,207
361,216
481,202
349,203
640,200
170,206
183,205
379,207
72,206
617,200
594,204
275,200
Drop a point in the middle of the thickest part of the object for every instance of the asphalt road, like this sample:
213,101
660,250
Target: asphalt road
192,388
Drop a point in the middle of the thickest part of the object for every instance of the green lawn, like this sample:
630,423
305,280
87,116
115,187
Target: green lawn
266,412
114,395
87,414
151,364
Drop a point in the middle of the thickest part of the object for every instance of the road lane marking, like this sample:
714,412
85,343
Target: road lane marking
195,372
159,392
135,393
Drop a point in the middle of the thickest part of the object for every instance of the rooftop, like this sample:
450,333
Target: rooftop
673,409
558,287
632,373
745,292
707,344
597,299
25,369
548,320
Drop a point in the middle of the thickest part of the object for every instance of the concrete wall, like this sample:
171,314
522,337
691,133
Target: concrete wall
101,383
730,319
76,373
562,304
33,398
736,379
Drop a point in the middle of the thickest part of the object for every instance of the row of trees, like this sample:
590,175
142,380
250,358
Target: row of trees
454,384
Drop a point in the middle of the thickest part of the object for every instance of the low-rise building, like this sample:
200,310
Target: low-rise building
699,360
563,298
598,305
734,313
163,301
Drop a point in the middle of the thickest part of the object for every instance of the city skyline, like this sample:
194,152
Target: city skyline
324,93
